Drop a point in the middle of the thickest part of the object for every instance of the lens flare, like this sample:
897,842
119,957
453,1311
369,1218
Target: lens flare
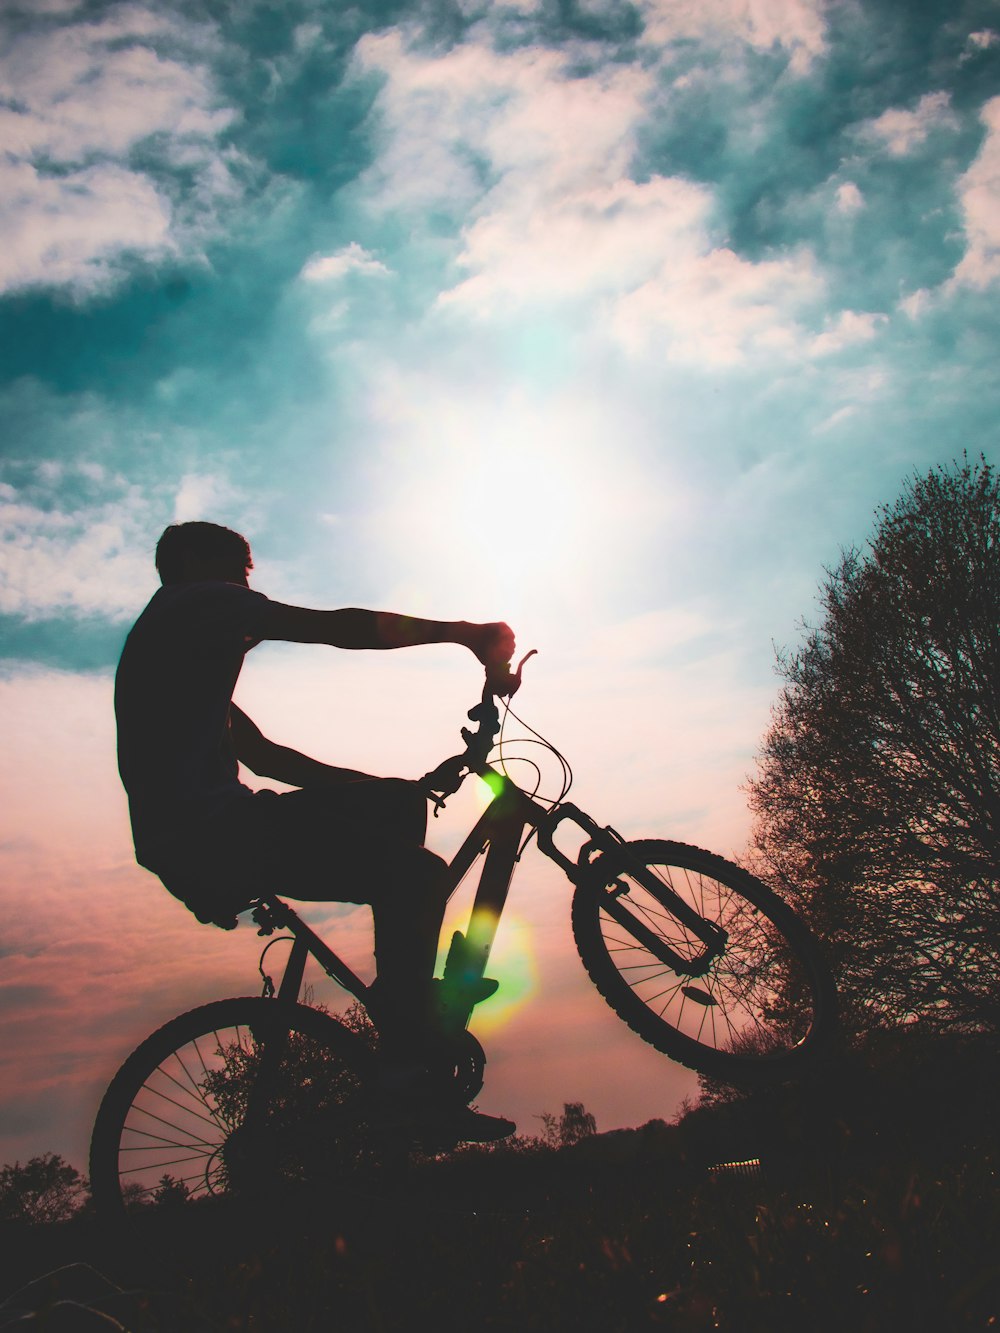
486,789
512,963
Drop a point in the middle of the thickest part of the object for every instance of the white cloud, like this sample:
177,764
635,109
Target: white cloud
353,258
850,327
714,307
796,26
87,558
78,99
200,495
916,303
836,418
902,131
605,239
73,229
983,40
849,198
539,161
457,122
979,192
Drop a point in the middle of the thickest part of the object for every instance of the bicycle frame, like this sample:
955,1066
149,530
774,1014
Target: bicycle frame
499,833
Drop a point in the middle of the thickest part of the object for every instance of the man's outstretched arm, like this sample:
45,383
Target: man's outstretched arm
352,627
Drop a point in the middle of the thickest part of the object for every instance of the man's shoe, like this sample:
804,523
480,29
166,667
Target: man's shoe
412,1102
441,1131
477,1127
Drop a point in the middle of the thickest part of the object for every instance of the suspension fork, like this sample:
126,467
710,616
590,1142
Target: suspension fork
608,842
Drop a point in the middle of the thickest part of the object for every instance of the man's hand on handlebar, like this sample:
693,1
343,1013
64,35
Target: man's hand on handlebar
492,643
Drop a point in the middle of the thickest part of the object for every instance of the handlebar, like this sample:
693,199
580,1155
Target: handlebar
446,779
501,682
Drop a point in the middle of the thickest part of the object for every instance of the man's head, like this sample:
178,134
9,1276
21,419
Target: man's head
200,552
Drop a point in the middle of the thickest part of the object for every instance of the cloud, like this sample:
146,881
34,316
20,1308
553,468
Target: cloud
353,258
849,328
199,495
553,216
455,125
982,40
979,193
606,239
794,26
99,129
916,304
849,198
717,309
902,131
74,230
74,542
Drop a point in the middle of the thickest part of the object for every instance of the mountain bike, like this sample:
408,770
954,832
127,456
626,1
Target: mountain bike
698,957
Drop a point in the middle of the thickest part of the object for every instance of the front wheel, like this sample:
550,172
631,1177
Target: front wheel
238,1096
753,999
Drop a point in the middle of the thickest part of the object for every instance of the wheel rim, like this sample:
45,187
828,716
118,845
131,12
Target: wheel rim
186,1130
754,1001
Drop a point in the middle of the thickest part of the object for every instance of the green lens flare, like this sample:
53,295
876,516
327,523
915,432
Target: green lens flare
512,962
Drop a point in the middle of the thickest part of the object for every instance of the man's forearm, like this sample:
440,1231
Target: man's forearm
395,631
352,627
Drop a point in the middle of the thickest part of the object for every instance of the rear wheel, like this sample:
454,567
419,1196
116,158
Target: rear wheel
239,1096
759,1002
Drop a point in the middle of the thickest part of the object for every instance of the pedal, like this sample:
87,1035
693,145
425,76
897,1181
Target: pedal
484,989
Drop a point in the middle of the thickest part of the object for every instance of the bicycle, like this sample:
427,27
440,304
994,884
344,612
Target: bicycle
697,956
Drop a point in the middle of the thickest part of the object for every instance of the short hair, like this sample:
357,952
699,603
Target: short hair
208,543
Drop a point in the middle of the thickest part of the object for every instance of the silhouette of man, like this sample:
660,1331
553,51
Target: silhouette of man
341,835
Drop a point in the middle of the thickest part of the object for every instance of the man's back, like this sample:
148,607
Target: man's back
173,690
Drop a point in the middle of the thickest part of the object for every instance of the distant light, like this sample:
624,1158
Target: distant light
749,1167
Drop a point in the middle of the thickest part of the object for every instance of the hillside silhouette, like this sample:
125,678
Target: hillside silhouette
863,1198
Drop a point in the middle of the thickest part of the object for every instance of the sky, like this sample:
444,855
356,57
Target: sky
617,321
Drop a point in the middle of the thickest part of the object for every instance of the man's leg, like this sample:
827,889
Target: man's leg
362,841
408,911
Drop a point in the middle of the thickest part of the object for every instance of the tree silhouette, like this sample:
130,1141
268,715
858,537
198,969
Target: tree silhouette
877,801
45,1189
574,1124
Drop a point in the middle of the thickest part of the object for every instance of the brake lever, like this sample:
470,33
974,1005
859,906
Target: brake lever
505,686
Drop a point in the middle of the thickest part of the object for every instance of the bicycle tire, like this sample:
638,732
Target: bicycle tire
178,1104
730,1023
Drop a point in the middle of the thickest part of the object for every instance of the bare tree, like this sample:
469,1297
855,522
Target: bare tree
877,800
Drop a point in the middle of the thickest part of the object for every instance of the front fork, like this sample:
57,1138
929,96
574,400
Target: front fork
616,859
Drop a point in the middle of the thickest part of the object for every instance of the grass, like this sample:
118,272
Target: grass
876,1208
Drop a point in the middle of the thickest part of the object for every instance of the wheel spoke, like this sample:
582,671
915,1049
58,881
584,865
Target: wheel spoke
175,1116
756,994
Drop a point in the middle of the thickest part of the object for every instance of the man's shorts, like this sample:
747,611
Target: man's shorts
342,842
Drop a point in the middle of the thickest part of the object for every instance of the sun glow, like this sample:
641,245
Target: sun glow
502,503
512,962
